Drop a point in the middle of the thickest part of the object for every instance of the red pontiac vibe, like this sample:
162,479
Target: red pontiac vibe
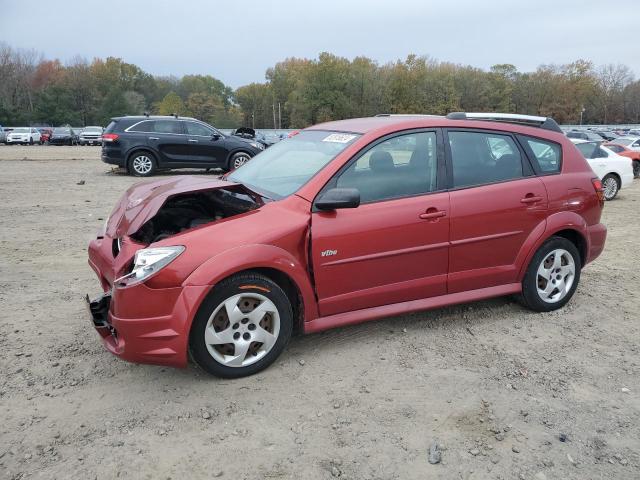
345,222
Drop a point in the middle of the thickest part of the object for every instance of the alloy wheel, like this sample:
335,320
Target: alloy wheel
242,329
142,164
610,187
555,275
240,160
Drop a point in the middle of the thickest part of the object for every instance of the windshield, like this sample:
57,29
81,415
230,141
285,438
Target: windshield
21,130
288,165
62,130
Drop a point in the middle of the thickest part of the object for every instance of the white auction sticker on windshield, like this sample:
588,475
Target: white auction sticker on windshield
339,138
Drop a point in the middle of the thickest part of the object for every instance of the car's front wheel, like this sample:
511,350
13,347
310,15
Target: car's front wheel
611,186
552,276
142,164
241,327
238,159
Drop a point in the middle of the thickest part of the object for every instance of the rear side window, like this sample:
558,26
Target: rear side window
479,158
615,148
167,126
548,155
146,126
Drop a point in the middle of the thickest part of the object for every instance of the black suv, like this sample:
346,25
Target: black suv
145,144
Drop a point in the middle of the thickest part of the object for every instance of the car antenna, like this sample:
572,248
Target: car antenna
175,115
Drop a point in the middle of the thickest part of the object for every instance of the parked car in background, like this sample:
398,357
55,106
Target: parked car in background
615,171
584,135
63,136
3,135
342,224
606,134
144,144
91,136
45,134
24,136
634,132
634,155
632,143
249,135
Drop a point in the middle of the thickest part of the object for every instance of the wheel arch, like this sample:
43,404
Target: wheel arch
273,262
569,225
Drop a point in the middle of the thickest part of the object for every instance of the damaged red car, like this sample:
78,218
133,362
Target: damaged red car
345,222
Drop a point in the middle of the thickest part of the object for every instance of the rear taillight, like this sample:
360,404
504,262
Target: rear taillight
597,186
109,137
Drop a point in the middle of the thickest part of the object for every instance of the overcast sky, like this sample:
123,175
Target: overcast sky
236,41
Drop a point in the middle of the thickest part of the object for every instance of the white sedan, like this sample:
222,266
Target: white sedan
614,170
23,135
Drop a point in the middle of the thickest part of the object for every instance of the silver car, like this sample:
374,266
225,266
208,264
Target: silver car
91,136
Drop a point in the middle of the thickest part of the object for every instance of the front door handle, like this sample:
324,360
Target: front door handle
432,214
154,138
531,198
193,141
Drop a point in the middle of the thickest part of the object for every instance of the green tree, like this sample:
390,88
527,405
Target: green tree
172,104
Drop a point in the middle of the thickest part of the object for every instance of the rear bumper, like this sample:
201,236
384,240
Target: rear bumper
597,236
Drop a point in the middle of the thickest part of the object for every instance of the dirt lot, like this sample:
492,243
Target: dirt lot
505,393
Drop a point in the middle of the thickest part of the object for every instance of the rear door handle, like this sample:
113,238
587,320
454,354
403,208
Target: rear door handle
154,138
193,141
531,199
432,214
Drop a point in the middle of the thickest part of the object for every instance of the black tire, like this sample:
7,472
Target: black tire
611,186
245,284
530,296
30,140
238,159
636,168
139,159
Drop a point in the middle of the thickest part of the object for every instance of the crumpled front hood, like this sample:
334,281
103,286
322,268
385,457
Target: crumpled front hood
143,200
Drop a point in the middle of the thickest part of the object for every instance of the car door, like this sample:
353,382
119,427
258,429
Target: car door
170,141
206,146
496,205
394,246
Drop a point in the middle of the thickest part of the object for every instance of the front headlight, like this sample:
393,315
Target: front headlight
257,145
147,263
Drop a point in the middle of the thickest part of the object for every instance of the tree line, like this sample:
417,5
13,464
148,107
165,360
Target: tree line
299,92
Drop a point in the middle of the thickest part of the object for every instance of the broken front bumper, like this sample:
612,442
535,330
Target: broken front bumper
141,324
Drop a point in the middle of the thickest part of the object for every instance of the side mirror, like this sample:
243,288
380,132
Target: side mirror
215,137
336,198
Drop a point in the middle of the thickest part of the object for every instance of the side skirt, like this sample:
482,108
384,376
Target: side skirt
358,316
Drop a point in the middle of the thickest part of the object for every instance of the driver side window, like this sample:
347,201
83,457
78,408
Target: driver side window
401,166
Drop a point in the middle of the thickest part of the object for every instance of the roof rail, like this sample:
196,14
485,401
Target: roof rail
546,123
406,115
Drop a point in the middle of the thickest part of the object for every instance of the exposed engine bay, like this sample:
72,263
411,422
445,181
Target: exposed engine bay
189,210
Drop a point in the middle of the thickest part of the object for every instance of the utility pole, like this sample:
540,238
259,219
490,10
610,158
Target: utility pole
273,105
279,117
581,112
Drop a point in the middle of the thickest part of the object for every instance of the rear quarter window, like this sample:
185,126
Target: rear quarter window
547,155
145,126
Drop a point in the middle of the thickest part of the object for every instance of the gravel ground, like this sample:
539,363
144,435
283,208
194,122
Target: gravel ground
489,389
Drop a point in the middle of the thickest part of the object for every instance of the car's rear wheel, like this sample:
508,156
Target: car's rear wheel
241,327
552,276
611,186
636,168
142,164
238,159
